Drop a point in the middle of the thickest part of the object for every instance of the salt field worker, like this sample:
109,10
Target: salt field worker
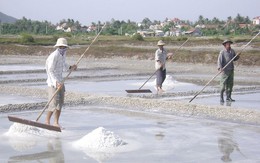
160,60
227,76
55,65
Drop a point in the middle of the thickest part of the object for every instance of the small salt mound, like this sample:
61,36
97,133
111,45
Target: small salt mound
19,138
21,130
168,84
99,139
23,137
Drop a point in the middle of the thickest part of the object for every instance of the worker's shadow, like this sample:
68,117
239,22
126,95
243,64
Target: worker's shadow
52,154
227,145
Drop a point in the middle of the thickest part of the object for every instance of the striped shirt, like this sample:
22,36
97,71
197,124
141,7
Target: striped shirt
55,65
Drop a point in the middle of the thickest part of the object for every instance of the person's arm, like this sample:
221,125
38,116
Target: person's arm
156,56
237,57
68,67
169,56
73,67
157,59
220,61
50,68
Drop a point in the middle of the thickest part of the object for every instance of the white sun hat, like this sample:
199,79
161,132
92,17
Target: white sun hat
160,43
61,42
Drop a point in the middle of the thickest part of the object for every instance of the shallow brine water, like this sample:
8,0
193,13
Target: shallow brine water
147,137
118,87
20,67
7,99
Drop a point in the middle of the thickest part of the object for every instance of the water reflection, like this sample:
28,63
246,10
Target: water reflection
160,134
228,103
22,144
227,144
53,154
99,156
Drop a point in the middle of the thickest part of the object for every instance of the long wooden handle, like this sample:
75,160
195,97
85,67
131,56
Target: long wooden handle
148,79
55,93
223,68
182,45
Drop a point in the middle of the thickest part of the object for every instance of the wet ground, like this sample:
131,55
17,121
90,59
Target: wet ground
153,131
149,138
243,100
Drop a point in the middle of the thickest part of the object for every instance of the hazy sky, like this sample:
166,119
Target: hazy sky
87,11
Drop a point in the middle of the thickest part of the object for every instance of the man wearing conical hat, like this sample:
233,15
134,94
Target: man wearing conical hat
160,60
227,76
55,65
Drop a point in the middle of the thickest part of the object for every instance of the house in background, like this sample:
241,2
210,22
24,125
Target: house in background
194,32
256,20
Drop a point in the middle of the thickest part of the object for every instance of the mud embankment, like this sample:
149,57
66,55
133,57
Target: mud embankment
188,54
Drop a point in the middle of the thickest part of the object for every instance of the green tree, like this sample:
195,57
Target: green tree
26,38
147,23
201,20
138,37
239,19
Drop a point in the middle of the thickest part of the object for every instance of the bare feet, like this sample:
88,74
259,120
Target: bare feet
57,125
160,90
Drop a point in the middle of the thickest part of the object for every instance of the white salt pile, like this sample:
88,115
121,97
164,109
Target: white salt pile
168,84
21,130
19,138
23,137
99,139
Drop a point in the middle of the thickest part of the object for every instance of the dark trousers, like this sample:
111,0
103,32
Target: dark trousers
227,81
160,77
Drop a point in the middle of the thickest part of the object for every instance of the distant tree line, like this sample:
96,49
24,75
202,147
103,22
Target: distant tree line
117,27
237,26
27,26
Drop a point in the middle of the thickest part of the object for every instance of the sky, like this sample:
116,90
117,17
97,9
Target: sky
88,11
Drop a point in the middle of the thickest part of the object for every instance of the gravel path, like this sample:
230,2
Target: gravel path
174,107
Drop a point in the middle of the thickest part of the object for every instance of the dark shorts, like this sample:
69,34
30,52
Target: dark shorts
58,100
160,77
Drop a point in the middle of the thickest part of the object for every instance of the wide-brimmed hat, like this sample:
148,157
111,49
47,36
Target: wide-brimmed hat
160,42
61,42
226,41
